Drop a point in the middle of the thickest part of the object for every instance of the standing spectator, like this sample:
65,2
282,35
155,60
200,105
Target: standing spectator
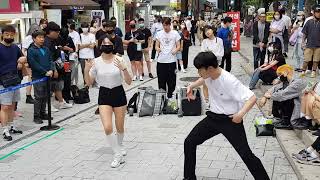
188,23
179,53
311,48
193,31
277,28
261,30
146,46
43,24
287,21
134,39
297,33
156,27
100,33
74,35
226,35
57,83
167,45
42,66
200,29
117,30
94,26
109,71
185,36
86,46
11,60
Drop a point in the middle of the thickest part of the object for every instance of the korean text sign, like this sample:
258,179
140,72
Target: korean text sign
236,29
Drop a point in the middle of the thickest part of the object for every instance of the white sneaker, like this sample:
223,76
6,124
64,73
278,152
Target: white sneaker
64,105
117,161
141,78
54,109
134,78
183,70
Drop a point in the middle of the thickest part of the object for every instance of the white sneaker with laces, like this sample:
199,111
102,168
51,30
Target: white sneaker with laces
134,78
64,105
54,109
141,78
183,70
117,161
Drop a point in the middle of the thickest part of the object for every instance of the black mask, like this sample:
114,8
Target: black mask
132,26
107,49
283,78
8,40
275,51
159,20
110,31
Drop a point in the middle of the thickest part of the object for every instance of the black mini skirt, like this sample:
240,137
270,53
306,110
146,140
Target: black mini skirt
115,97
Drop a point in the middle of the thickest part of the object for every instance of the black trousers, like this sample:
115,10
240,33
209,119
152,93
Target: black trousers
213,125
185,55
66,92
193,37
153,52
167,77
316,144
226,59
283,110
41,97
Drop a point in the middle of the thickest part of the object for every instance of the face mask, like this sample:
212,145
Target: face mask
299,18
132,26
110,31
270,49
277,17
8,40
159,20
85,30
183,26
283,79
141,26
108,49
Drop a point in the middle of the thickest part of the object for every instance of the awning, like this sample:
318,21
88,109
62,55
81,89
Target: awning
12,16
70,4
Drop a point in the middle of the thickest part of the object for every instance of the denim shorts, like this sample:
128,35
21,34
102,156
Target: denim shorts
179,55
10,97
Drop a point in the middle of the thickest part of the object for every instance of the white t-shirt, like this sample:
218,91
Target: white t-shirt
75,37
167,45
27,42
106,75
188,25
279,25
87,53
287,21
227,94
156,27
215,45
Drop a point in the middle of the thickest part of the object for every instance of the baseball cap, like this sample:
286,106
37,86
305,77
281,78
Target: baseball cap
317,8
300,13
262,12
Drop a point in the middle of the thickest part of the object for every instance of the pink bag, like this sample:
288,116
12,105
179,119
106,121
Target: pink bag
293,38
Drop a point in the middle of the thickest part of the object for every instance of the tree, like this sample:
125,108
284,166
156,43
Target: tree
308,5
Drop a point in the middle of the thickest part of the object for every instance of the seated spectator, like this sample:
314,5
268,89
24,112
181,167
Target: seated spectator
42,65
286,99
267,72
309,155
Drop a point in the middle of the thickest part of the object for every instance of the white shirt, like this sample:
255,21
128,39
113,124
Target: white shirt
27,42
215,45
87,53
279,25
106,75
227,94
75,37
287,21
167,45
156,27
188,25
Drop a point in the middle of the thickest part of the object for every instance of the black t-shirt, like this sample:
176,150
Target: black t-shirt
100,33
9,58
139,35
147,34
118,45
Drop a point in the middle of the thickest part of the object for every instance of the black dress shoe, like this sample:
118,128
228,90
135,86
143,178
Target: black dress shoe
30,100
15,131
7,137
37,120
45,117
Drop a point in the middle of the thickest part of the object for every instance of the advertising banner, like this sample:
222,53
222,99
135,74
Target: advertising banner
236,29
10,6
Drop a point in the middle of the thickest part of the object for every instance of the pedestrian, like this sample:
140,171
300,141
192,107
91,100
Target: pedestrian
42,66
297,33
155,28
188,23
86,47
117,30
193,31
134,39
230,100
260,30
11,61
94,26
146,46
226,34
277,27
200,29
287,21
167,45
311,42
186,39
108,71
176,27
74,35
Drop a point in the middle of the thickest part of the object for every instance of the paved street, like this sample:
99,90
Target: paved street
79,149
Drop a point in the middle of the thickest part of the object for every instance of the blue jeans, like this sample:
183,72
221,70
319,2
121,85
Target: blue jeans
258,56
298,54
255,78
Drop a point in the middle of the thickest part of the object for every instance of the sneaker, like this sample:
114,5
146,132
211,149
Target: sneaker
30,100
7,136
207,106
183,70
37,120
142,74
117,161
141,78
303,153
13,130
54,109
64,105
283,125
134,78
45,117
307,159
313,74
150,76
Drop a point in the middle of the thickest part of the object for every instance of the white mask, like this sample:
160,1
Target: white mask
299,18
183,26
270,48
277,17
85,30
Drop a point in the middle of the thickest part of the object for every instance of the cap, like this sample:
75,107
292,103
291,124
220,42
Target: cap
316,7
300,13
262,12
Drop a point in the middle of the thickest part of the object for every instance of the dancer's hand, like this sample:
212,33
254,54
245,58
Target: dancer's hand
237,118
190,95
120,64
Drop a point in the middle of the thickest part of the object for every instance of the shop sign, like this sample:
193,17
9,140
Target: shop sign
236,29
97,15
76,7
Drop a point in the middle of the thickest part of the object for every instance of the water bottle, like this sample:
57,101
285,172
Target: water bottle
63,56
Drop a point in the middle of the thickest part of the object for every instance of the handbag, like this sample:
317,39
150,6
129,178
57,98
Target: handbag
264,126
10,79
150,101
293,38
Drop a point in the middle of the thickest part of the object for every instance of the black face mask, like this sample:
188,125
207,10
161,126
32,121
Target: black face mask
132,26
8,40
110,31
283,79
107,49
159,20
275,51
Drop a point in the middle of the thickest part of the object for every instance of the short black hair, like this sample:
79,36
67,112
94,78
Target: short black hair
113,18
282,11
109,23
227,20
52,26
141,19
37,33
205,60
72,26
166,21
84,25
8,28
275,14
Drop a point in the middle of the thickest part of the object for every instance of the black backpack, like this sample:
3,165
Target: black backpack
80,96
133,103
